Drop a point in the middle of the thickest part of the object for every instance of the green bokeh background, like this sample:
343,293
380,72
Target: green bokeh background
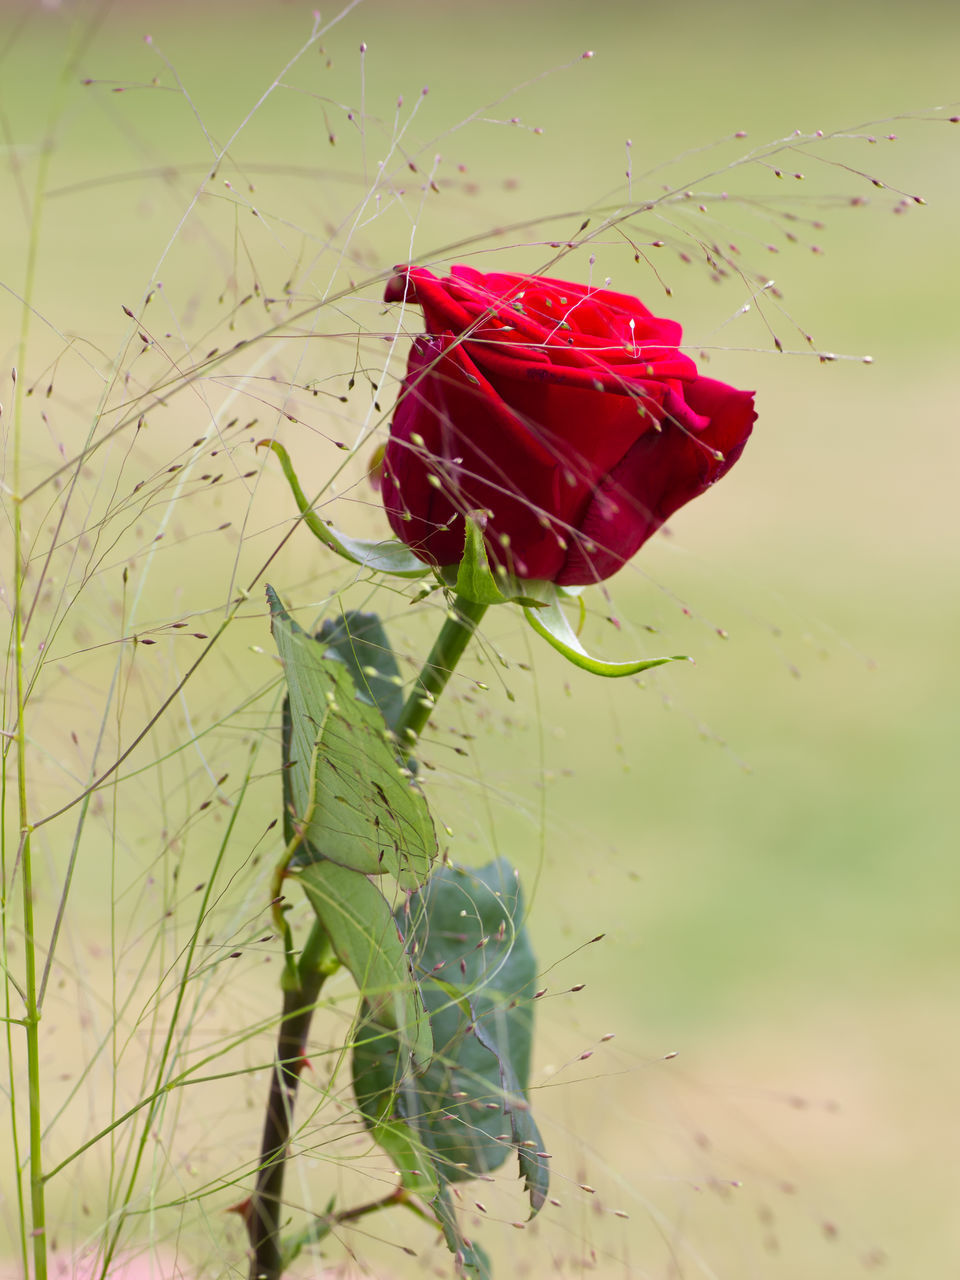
766,839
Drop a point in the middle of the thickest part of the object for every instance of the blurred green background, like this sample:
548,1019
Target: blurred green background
767,839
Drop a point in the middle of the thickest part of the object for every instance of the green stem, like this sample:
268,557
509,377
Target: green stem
399,1196
455,634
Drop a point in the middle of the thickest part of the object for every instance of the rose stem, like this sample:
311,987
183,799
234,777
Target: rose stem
317,962
460,624
301,991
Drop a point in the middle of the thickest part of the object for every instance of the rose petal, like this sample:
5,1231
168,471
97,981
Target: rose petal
660,473
539,401
481,457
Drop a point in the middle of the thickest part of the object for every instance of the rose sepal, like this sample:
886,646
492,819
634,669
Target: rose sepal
387,555
474,580
550,622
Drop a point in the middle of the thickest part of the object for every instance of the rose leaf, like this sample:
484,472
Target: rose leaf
477,973
360,642
471,1260
363,933
348,798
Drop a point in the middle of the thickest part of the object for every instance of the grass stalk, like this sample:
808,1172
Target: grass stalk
31,1011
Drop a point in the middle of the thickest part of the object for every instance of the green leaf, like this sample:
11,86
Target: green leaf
352,801
551,622
317,1229
359,641
523,1128
363,933
471,1260
477,975
378,1106
386,556
410,1157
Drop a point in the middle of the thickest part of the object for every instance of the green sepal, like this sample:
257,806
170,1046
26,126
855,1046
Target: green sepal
388,555
475,580
551,622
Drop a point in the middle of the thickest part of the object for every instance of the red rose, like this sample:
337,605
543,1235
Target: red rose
568,414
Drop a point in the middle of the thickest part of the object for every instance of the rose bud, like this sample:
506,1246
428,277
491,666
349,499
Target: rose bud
567,415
